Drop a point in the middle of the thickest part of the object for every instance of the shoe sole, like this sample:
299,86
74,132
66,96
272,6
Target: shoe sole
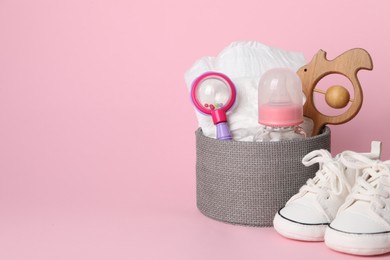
299,231
357,244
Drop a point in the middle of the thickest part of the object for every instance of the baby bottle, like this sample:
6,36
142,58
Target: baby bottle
280,106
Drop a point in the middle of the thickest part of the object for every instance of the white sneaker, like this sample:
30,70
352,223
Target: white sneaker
362,224
307,214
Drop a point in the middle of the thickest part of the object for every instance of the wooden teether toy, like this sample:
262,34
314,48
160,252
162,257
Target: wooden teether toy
346,64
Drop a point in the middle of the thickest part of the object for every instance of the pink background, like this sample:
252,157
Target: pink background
97,151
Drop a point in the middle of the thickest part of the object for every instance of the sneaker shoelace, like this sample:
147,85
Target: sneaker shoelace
330,178
366,187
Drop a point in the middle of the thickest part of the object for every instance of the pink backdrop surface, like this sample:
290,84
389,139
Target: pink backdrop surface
97,147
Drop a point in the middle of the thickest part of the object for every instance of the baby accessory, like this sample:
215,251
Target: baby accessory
243,63
280,106
362,224
307,214
347,64
214,94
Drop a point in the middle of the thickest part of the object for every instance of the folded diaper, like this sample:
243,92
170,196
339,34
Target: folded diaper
244,63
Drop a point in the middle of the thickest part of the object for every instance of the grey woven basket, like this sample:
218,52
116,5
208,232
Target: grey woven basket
246,183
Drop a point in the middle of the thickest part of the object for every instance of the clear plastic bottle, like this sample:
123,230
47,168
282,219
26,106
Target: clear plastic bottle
280,106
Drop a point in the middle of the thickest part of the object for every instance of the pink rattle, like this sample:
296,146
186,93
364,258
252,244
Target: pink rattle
214,94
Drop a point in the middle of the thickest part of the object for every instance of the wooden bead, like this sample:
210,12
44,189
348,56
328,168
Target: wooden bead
337,96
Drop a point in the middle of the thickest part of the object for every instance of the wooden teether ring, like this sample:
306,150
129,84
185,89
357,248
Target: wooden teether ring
346,64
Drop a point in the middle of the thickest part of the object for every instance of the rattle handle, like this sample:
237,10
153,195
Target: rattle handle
223,131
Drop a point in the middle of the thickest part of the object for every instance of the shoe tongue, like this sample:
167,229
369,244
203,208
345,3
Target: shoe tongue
351,175
359,205
331,180
323,182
